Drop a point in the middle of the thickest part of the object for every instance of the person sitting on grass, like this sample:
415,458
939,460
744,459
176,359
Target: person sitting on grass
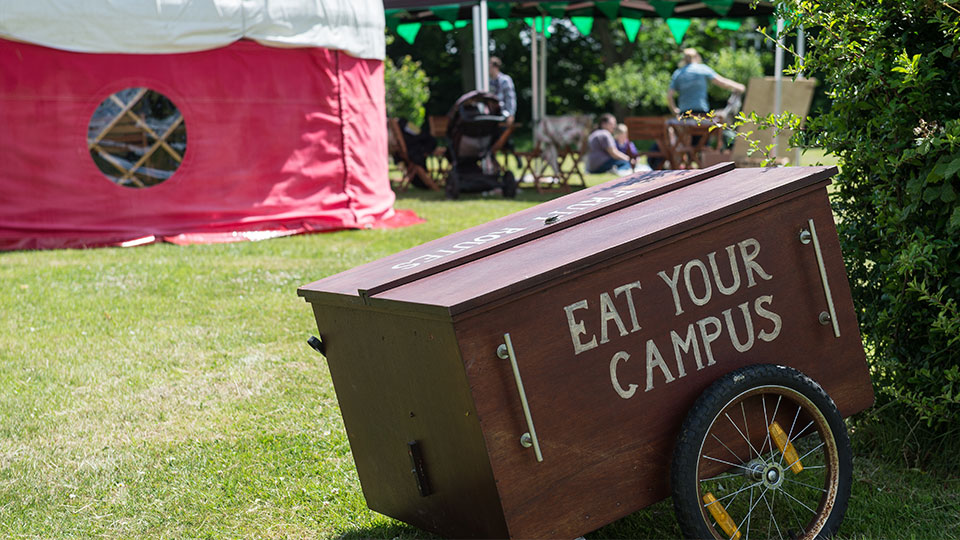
602,153
625,145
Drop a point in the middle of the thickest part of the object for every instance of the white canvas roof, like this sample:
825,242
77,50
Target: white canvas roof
175,26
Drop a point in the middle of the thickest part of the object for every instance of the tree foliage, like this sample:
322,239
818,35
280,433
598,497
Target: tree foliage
892,72
407,89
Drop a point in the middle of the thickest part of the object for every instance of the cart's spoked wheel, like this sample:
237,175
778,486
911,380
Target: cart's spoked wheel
763,453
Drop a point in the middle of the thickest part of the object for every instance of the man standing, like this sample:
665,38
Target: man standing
602,154
689,85
501,85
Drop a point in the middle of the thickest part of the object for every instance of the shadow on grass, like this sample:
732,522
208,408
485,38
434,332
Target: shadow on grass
391,530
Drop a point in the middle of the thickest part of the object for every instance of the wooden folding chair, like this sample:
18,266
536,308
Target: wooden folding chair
653,128
410,169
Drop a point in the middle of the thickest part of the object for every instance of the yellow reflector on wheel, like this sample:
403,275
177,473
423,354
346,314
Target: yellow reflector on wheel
721,516
786,447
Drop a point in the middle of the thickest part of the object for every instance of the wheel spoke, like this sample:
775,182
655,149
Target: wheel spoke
807,454
722,477
727,447
798,501
746,426
734,494
751,506
790,433
726,462
741,433
773,518
766,423
791,480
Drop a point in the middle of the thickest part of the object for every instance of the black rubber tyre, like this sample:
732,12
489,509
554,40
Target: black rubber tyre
717,493
509,185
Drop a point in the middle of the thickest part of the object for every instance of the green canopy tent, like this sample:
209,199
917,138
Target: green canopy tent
406,16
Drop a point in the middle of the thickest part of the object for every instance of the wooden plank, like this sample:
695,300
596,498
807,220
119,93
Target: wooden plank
400,380
478,242
567,252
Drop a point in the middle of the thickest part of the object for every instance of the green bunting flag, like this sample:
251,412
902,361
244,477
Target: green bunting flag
678,27
664,8
497,24
555,9
447,12
631,27
722,7
583,24
609,9
501,8
408,31
393,17
729,24
542,24
447,26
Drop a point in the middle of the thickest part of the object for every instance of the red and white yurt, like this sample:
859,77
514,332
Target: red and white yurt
176,120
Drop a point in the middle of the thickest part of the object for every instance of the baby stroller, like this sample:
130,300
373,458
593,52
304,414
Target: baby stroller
475,134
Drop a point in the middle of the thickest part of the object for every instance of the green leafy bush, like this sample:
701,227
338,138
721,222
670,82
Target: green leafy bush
407,89
738,64
892,70
633,84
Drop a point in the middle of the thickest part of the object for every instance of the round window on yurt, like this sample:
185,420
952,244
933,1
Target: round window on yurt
137,137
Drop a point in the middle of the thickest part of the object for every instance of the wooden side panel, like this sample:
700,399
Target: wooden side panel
607,442
400,379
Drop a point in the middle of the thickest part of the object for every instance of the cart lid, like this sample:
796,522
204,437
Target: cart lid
475,266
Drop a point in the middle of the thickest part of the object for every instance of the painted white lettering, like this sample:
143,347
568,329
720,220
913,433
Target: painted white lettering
608,312
633,310
709,337
632,388
686,344
769,315
708,291
672,283
734,271
749,249
732,328
577,328
655,359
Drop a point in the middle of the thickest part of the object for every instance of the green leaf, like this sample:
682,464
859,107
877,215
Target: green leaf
931,194
954,219
951,169
947,194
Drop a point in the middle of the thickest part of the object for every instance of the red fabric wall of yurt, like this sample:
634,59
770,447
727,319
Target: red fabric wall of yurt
279,141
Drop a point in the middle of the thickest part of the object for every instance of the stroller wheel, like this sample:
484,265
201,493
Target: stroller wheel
509,185
453,186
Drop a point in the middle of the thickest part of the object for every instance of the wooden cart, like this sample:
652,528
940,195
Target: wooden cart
554,370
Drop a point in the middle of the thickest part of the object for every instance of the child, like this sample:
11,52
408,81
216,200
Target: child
624,144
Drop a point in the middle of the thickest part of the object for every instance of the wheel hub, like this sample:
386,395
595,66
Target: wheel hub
772,476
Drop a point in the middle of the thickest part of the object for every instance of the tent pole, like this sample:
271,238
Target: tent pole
543,70
778,76
534,77
477,54
484,47
801,51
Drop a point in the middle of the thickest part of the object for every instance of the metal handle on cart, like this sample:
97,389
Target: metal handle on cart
806,236
505,352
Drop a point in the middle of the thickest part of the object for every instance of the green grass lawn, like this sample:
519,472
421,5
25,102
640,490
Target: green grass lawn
168,392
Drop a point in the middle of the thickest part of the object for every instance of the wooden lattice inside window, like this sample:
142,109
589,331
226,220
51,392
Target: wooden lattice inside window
137,137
